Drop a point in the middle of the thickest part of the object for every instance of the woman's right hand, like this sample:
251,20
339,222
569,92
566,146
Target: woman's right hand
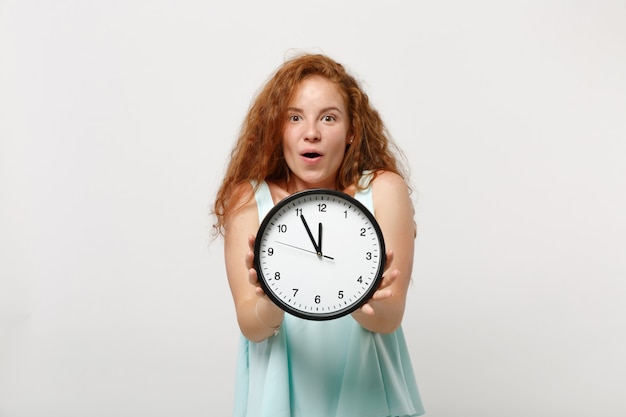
252,275
257,315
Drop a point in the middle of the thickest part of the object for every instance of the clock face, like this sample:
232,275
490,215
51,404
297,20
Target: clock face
319,254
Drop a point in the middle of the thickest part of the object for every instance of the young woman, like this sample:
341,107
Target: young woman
312,126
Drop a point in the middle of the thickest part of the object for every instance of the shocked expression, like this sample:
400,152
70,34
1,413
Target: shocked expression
315,134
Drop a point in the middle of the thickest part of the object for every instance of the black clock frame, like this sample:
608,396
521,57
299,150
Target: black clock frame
319,316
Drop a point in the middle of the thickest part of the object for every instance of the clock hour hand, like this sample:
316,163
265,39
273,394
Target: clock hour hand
308,230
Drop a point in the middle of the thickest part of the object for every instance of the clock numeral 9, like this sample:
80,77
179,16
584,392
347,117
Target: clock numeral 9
282,228
318,299
270,251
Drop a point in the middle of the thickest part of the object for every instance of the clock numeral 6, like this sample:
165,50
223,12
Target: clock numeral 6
318,299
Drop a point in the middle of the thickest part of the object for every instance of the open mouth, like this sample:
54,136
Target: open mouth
311,155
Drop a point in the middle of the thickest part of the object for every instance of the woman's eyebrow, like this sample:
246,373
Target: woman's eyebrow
331,108
324,110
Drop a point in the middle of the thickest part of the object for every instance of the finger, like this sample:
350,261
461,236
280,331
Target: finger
250,253
382,294
389,278
367,309
254,280
392,276
378,295
249,260
252,277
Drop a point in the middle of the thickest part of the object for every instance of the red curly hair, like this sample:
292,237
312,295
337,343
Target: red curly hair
258,152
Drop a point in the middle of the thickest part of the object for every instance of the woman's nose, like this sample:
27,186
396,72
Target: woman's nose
312,133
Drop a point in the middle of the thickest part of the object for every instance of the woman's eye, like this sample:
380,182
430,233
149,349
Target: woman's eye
329,118
294,118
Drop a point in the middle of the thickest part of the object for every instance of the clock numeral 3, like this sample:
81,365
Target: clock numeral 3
368,256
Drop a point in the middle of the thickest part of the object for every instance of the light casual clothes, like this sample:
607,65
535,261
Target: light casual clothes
333,368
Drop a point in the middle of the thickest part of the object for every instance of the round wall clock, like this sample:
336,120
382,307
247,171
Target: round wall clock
319,254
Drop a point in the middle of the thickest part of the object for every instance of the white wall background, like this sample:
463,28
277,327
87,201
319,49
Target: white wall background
117,117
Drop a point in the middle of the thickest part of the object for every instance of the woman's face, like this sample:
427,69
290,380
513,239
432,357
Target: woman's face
315,134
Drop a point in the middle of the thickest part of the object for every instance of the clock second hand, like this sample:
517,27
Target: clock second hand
302,249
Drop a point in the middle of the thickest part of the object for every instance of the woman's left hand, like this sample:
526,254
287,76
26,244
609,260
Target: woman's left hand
383,292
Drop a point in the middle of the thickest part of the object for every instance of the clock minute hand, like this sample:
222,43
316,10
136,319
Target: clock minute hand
319,237
306,226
